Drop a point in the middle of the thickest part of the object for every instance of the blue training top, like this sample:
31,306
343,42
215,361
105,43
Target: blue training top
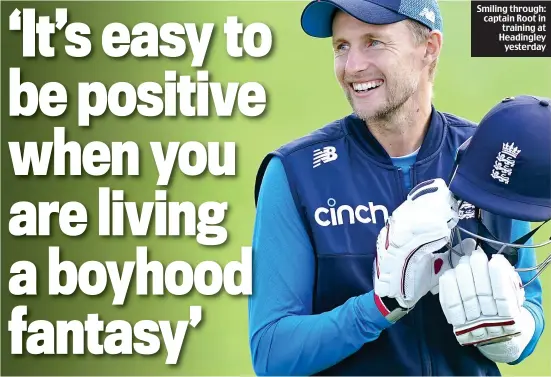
285,338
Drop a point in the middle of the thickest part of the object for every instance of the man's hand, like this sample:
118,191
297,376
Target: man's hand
483,300
406,267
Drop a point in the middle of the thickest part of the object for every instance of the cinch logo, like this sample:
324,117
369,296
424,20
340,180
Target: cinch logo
334,216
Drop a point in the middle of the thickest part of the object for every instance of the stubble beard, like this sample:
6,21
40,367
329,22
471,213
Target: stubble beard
396,98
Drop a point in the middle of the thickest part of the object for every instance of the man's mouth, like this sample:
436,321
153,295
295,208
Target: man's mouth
367,86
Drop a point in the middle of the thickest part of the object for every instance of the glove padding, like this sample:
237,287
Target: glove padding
451,259
406,267
483,300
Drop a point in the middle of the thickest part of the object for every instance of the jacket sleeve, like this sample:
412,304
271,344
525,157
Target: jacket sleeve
533,292
285,337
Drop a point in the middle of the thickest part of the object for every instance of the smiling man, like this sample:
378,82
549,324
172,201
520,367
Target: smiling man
386,73
324,199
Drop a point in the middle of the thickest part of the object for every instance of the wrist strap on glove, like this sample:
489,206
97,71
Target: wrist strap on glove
390,308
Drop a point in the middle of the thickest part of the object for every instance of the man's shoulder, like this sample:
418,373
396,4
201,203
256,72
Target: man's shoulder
327,133
295,150
458,128
456,121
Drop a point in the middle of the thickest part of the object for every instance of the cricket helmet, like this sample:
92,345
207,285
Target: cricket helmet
505,167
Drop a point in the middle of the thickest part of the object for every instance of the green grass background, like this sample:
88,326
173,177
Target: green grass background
302,95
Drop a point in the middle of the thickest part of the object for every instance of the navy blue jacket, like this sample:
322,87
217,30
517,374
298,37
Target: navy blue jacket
343,203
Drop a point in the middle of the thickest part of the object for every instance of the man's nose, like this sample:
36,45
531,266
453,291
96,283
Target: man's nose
358,61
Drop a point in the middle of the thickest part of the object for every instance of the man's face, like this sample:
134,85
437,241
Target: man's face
378,66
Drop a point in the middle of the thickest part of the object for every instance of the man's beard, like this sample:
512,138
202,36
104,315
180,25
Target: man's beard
397,96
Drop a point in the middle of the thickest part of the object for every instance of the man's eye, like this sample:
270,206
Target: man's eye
341,47
374,42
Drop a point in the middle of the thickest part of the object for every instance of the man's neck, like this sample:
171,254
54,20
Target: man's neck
403,132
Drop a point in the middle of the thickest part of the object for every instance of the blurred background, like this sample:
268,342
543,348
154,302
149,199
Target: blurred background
302,96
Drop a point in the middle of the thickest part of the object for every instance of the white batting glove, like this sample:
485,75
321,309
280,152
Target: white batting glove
406,268
451,259
483,300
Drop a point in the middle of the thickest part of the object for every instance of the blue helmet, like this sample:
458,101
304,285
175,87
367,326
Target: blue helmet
505,167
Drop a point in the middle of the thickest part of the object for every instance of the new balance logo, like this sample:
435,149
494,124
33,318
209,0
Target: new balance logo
324,155
428,14
345,214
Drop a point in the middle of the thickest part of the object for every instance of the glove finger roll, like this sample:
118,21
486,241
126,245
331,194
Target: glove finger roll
482,281
450,299
467,290
504,291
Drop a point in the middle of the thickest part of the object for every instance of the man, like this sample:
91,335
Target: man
322,201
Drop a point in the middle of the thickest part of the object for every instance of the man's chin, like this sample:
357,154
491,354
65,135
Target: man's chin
366,109
366,112
375,111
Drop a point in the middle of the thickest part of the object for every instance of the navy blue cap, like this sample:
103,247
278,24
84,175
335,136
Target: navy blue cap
317,17
505,167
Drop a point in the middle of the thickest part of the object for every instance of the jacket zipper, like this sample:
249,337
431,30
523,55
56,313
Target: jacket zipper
427,362
401,184
415,318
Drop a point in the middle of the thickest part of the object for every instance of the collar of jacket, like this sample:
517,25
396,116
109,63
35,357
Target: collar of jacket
365,139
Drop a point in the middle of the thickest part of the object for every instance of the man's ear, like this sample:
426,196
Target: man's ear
433,47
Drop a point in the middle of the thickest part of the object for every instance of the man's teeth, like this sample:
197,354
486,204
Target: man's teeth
366,85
